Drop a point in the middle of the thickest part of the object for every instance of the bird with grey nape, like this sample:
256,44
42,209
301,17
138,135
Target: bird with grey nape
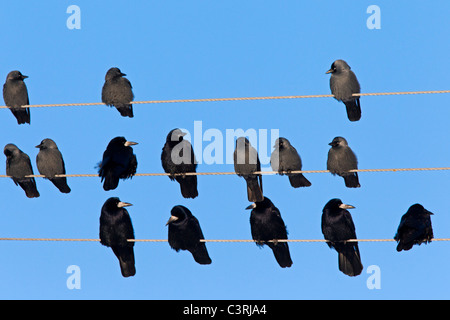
15,95
342,159
343,84
50,163
117,92
177,159
246,162
285,158
18,166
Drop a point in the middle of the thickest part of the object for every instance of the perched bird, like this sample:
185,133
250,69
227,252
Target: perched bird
415,228
18,165
185,234
341,159
115,229
178,157
337,226
117,92
50,162
343,85
246,162
119,162
266,224
285,158
15,94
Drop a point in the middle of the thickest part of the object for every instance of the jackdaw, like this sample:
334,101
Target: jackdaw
285,158
337,226
185,234
119,162
341,159
50,162
178,157
15,94
246,162
415,228
343,85
115,229
266,224
18,165
117,92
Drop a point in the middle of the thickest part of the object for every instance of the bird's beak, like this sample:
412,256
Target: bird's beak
329,71
252,206
171,219
24,77
346,206
38,146
123,74
123,204
183,134
429,212
130,143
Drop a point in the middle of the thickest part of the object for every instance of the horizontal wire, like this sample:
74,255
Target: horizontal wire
209,240
234,173
237,99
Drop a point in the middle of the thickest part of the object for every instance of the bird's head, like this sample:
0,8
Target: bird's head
15,75
338,142
175,136
338,66
178,214
114,73
47,144
10,150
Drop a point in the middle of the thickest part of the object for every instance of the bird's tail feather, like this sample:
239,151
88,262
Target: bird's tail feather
299,180
61,184
111,180
404,246
350,261
126,110
29,186
188,186
22,115
351,180
254,191
126,260
200,254
353,109
281,253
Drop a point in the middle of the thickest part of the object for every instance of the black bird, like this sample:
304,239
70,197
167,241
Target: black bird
115,229
178,157
246,162
415,228
50,162
15,94
343,84
185,234
338,226
341,159
266,224
119,162
285,158
117,92
18,165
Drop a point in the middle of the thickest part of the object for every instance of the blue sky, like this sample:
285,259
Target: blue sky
210,49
